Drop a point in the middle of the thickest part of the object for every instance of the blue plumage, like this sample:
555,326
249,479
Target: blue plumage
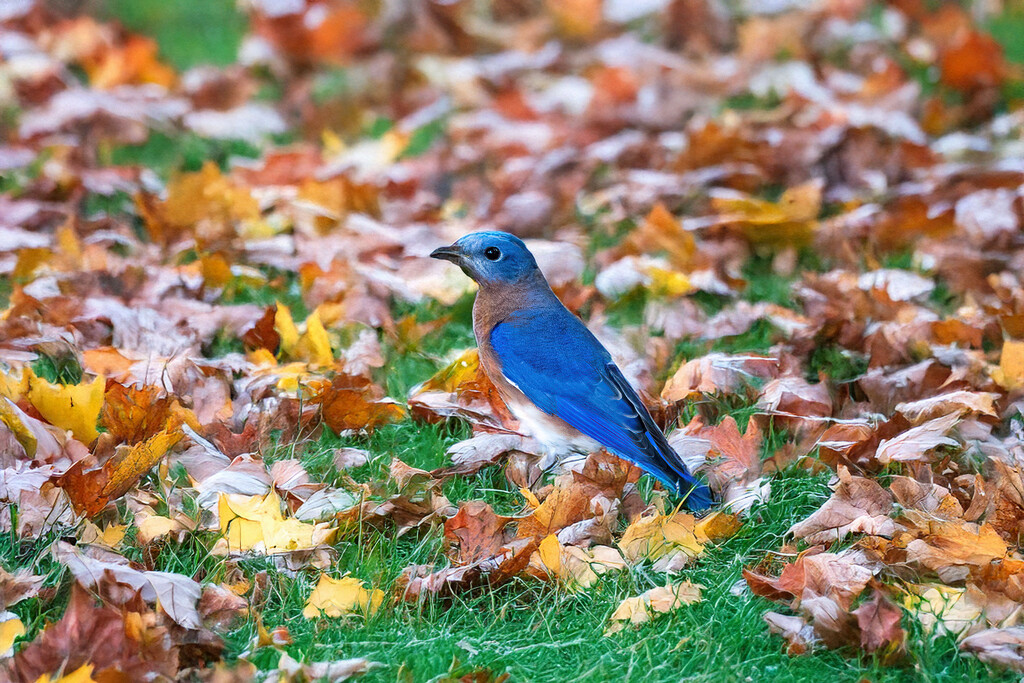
532,346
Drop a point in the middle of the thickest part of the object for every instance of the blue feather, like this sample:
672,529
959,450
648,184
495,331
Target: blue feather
565,371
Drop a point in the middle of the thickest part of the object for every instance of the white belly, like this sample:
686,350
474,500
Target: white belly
558,438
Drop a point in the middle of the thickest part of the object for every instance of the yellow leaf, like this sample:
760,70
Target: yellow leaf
717,526
1010,373
950,609
314,345
576,18
790,221
531,499
13,387
582,567
82,674
109,537
668,283
130,463
11,628
341,597
256,523
75,407
9,416
650,604
551,554
156,526
284,324
653,536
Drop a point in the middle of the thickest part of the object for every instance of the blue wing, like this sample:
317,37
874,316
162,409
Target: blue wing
566,372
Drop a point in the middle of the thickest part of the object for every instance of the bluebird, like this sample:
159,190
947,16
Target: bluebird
552,372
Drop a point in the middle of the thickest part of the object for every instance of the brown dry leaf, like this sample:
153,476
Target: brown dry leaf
91,490
662,232
477,531
917,442
573,510
879,623
17,586
350,403
719,372
651,603
461,389
332,672
799,634
1002,646
959,402
858,505
133,644
952,549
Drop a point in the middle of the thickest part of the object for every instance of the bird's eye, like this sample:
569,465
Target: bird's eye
492,253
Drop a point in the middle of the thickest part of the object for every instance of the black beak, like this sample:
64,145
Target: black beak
452,253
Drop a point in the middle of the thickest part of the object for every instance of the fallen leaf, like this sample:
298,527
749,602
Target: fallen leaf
651,603
257,523
75,407
858,505
879,623
354,403
342,597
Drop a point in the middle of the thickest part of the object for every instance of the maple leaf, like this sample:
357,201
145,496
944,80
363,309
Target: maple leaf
858,505
75,407
341,597
670,541
133,414
354,403
477,531
91,490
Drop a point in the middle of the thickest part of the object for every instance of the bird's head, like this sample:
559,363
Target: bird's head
491,258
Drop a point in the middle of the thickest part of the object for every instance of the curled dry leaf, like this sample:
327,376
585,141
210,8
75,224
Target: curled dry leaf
719,372
1002,646
91,490
350,403
797,632
858,505
461,389
652,603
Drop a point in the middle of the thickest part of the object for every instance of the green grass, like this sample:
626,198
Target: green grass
188,32
6,288
167,154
